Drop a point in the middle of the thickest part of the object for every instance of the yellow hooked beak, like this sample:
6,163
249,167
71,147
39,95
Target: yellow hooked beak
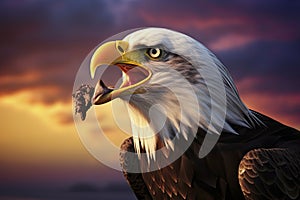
114,53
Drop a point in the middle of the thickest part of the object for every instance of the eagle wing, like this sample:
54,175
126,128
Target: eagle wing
270,174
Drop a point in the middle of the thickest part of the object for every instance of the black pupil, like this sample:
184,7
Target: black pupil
154,51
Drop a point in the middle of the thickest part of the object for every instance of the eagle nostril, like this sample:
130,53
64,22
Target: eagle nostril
121,50
121,46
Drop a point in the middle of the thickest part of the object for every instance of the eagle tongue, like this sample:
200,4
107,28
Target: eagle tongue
100,90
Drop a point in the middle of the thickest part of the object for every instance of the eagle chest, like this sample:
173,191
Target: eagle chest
190,178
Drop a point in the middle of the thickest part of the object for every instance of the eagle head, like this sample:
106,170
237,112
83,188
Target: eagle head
172,86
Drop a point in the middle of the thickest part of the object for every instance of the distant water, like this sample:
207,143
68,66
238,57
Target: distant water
79,196
76,192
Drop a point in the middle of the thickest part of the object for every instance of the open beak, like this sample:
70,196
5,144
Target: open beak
133,73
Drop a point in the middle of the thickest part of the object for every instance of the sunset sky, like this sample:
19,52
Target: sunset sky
43,43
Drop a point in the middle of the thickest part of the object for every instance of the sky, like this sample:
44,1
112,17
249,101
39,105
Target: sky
43,43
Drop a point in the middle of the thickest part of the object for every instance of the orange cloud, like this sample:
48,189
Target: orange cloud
35,145
275,105
231,41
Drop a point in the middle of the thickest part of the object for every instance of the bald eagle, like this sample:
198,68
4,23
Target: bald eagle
192,136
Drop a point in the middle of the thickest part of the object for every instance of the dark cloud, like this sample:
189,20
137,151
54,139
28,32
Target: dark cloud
212,19
275,63
55,20
51,38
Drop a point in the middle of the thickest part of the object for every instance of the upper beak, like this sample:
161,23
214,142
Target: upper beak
107,53
113,53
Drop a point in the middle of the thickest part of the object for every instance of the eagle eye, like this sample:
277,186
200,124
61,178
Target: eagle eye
154,52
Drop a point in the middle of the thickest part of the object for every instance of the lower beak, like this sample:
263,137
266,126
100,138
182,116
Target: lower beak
101,93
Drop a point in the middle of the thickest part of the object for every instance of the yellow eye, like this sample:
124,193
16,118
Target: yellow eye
154,52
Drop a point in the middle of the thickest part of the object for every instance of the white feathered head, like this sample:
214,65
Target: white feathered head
172,85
